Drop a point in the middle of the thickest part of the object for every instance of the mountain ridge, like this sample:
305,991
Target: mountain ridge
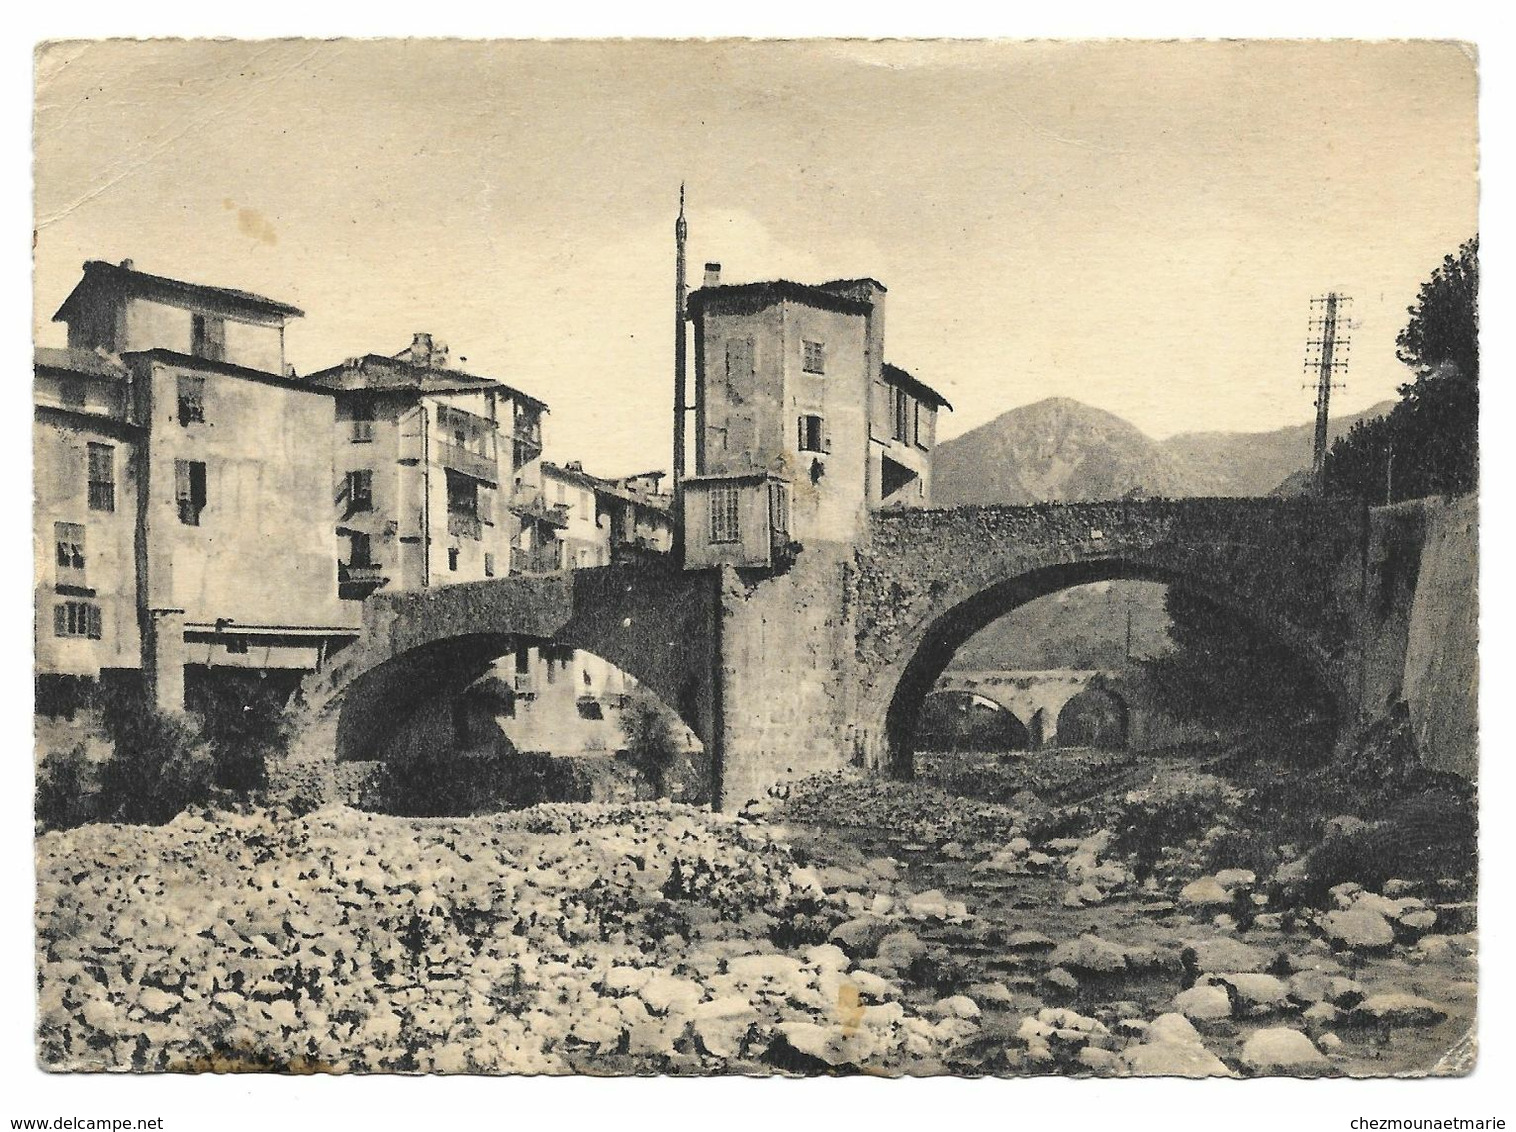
1061,450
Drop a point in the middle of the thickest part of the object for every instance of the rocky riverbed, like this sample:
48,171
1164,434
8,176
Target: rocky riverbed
858,926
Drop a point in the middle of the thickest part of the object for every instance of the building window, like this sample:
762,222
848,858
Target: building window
189,490
463,513
191,400
76,619
237,646
72,392
489,564
815,357
917,410
102,477
726,524
360,549
452,558
208,337
69,538
813,437
360,491
779,509
902,415
363,421
739,364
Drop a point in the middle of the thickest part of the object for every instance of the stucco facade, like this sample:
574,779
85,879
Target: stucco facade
792,388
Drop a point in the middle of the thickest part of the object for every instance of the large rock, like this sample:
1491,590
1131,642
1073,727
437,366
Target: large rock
1222,953
1089,954
860,937
1173,1059
1397,1009
1281,1049
1206,892
1204,1003
1358,928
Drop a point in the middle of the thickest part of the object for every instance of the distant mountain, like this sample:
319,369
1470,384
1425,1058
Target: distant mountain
1058,449
1258,463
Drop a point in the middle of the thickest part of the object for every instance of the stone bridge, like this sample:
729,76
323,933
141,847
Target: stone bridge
781,675
1036,699
653,622
929,580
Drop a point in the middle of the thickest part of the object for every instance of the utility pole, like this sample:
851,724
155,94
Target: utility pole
1326,355
681,233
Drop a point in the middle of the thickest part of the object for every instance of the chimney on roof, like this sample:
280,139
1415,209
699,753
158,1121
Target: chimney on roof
575,465
127,265
712,275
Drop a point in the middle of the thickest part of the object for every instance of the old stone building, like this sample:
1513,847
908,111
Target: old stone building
607,520
183,473
437,474
801,427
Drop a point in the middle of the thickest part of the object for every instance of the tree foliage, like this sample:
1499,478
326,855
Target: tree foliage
1428,444
1224,672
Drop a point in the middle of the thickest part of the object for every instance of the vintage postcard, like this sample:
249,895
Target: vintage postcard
509,601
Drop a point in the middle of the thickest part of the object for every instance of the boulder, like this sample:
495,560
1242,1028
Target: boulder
1222,953
1281,1049
1173,1059
1256,992
1029,941
900,949
1397,1009
860,937
1205,892
1089,954
1358,929
1206,1003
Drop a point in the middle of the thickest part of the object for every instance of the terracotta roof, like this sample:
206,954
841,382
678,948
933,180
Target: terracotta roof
605,486
774,291
915,387
425,379
99,274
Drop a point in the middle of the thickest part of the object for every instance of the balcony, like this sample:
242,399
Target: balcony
529,504
465,525
359,579
467,462
536,560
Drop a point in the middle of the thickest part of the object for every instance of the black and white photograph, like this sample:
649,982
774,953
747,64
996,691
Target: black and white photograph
732,558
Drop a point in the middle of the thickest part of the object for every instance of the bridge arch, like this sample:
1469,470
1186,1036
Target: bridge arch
1096,716
653,623
949,721
893,695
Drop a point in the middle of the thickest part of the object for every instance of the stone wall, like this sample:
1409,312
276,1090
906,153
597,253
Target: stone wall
1421,625
786,646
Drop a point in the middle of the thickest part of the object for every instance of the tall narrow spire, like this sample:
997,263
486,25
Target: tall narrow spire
681,233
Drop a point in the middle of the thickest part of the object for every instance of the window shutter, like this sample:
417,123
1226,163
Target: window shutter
182,480
94,622
800,441
60,620
826,439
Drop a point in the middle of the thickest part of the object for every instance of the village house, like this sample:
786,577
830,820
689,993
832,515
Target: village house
438,472
801,427
182,507
607,520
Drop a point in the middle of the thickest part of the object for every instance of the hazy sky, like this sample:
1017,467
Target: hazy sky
1136,225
